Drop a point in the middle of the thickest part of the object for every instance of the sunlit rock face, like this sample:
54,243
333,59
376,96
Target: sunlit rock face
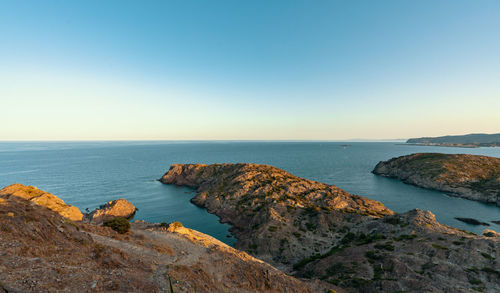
120,208
43,198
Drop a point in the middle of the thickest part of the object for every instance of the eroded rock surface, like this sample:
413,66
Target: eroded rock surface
119,208
468,176
42,198
42,251
318,231
261,201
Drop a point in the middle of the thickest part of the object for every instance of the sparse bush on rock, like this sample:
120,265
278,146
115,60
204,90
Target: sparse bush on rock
120,225
176,225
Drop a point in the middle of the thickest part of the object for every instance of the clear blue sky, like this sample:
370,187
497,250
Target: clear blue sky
248,69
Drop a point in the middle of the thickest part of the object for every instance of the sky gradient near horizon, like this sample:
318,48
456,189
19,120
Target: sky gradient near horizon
311,70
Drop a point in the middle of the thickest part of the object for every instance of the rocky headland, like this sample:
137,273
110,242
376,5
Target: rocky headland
318,231
43,250
468,176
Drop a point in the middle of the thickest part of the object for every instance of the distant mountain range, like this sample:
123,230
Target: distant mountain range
469,140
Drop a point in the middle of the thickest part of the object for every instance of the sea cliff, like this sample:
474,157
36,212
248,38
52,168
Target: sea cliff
468,176
318,231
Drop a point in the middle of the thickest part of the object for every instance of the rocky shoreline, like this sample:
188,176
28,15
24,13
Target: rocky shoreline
468,176
294,235
43,250
318,231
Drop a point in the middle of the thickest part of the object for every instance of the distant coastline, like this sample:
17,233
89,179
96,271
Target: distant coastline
474,140
452,145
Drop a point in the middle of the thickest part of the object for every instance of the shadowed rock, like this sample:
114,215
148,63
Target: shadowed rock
472,221
468,176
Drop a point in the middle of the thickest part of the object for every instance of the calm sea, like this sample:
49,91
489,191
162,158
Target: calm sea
87,174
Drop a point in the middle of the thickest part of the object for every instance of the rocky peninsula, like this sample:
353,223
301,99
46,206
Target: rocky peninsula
468,176
43,250
318,231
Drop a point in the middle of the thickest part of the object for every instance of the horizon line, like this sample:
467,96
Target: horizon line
207,140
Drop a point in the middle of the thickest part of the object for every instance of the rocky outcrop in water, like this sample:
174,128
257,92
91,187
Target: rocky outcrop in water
468,176
42,198
318,231
472,221
119,208
42,251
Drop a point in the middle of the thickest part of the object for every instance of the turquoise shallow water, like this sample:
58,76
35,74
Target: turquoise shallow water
87,174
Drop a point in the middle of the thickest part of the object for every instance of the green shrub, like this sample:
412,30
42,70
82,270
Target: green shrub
310,226
348,238
163,225
120,225
427,266
491,271
472,270
372,256
365,239
387,246
437,246
378,271
487,256
317,256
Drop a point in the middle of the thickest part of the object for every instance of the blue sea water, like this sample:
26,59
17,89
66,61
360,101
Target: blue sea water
88,174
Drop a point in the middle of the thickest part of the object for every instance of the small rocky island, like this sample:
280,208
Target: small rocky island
317,231
468,176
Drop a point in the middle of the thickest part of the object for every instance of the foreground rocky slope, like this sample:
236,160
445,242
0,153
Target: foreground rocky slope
319,231
468,176
42,251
